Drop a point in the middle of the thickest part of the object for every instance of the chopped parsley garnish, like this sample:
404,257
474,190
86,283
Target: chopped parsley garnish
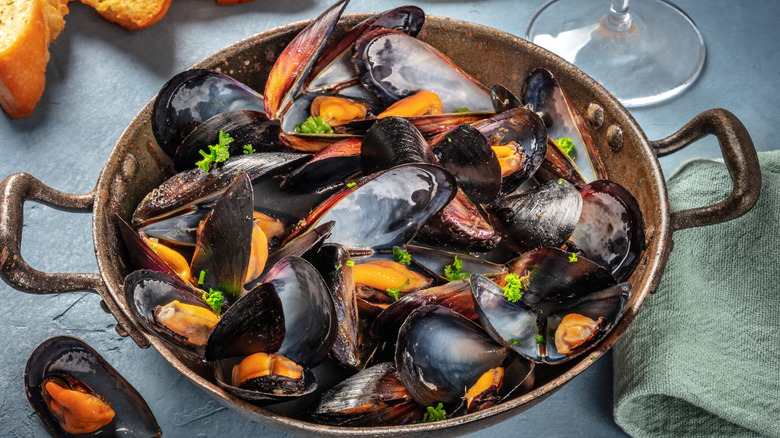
573,258
202,277
560,181
351,184
515,285
350,263
514,342
394,291
214,299
314,125
452,272
248,149
434,414
539,339
401,256
217,153
338,267
592,358
566,145
463,110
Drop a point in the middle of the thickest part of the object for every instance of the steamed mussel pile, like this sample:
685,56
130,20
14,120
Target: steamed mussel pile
378,236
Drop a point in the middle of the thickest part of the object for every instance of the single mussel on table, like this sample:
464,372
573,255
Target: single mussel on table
437,245
76,392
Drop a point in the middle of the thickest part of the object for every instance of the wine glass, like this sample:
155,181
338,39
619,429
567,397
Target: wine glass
643,56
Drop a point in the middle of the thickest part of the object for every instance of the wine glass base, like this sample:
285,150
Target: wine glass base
656,58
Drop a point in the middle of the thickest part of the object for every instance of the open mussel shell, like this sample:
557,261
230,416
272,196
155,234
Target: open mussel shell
461,224
546,97
331,262
434,260
255,323
455,295
330,167
192,97
194,189
386,209
609,304
333,71
146,290
558,164
224,242
302,108
141,255
223,369
611,230
179,230
390,142
371,397
503,99
555,276
543,216
245,127
433,367
68,356
393,65
432,125
296,60
526,129
309,314
466,154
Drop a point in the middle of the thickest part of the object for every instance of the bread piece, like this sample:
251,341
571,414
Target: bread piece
131,14
26,29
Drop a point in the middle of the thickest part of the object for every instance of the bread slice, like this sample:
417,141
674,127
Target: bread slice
131,14
26,29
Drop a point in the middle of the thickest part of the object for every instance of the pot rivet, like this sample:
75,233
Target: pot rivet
615,137
595,115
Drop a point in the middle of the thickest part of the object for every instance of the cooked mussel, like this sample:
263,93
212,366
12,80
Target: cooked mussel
192,97
76,392
435,369
370,397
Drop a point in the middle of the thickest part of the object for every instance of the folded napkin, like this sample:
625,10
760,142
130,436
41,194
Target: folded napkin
702,357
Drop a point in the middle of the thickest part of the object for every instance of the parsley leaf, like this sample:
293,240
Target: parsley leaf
248,149
515,285
350,263
463,110
214,299
573,258
202,277
567,145
434,414
394,291
351,184
539,339
452,272
401,256
514,342
314,125
217,153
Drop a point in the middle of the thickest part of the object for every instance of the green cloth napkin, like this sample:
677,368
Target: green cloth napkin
702,357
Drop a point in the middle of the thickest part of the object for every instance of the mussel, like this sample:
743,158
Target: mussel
76,392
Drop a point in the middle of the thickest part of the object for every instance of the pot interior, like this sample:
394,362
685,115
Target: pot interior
137,165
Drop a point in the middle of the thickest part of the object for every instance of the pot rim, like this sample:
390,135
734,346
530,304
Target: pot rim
652,262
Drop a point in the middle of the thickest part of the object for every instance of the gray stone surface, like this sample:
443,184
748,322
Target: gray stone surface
101,75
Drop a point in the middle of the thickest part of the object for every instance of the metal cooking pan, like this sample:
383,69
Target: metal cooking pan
137,165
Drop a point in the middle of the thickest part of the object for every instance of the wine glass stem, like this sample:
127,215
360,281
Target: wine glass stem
618,18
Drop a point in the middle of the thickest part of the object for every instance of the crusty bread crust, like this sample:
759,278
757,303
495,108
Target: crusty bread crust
131,14
26,30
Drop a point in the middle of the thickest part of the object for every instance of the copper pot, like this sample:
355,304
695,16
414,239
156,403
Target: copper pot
137,165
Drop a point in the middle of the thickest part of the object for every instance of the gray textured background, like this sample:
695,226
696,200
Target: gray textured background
99,77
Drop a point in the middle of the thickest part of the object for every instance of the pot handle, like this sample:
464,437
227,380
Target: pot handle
741,161
14,191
